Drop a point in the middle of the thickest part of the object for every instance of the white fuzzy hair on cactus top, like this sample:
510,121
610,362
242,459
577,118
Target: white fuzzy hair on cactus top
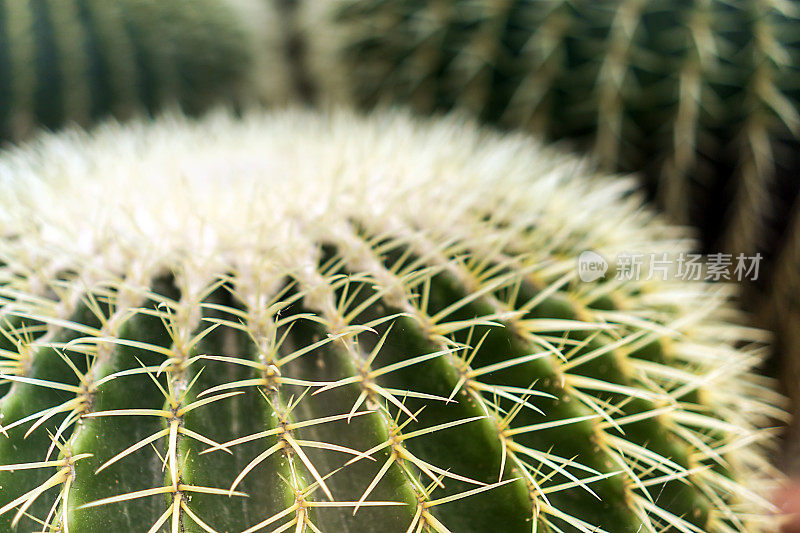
223,183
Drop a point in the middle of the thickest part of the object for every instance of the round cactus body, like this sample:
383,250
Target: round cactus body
304,323
65,61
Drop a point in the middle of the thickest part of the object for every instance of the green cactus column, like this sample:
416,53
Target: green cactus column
294,322
700,97
72,61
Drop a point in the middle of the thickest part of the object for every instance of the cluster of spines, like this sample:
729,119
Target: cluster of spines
452,304
74,61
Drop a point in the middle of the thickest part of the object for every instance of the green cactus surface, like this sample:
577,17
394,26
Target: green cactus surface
64,61
294,322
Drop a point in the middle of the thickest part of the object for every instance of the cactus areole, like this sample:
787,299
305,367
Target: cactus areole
294,322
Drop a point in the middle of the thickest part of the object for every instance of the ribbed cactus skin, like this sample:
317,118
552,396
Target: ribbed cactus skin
702,97
64,61
317,311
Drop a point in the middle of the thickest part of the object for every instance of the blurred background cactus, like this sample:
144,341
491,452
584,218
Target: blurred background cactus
73,61
698,96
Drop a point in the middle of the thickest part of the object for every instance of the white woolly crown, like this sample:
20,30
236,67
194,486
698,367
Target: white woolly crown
269,181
